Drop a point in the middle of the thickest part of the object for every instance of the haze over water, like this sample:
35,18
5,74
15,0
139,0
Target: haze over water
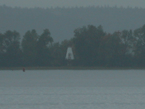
69,89
72,3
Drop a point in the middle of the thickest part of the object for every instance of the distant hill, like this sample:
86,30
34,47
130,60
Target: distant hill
63,21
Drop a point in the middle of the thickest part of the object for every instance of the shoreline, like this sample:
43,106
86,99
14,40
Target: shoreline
73,68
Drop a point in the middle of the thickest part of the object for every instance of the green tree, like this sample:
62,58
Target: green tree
86,42
43,52
10,45
2,48
116,50
105,50
2,51
139,47
29,44
56,54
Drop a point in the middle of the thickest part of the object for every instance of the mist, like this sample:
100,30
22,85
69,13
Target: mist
72,3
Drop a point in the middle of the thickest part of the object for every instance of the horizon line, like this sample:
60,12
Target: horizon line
92,6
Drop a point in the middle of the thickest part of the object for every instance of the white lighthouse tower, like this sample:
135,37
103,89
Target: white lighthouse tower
69,56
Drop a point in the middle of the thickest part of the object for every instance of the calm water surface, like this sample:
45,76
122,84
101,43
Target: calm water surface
72,89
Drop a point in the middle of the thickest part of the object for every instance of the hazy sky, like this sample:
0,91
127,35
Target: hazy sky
72,3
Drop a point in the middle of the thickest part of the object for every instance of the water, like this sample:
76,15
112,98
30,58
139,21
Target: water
72,89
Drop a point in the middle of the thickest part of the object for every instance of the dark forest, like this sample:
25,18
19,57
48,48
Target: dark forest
91,46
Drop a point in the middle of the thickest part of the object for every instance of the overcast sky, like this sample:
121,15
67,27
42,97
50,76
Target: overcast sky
72,3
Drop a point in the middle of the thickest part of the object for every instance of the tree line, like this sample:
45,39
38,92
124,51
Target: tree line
91,45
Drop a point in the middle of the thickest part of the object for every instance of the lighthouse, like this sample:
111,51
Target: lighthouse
69,55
